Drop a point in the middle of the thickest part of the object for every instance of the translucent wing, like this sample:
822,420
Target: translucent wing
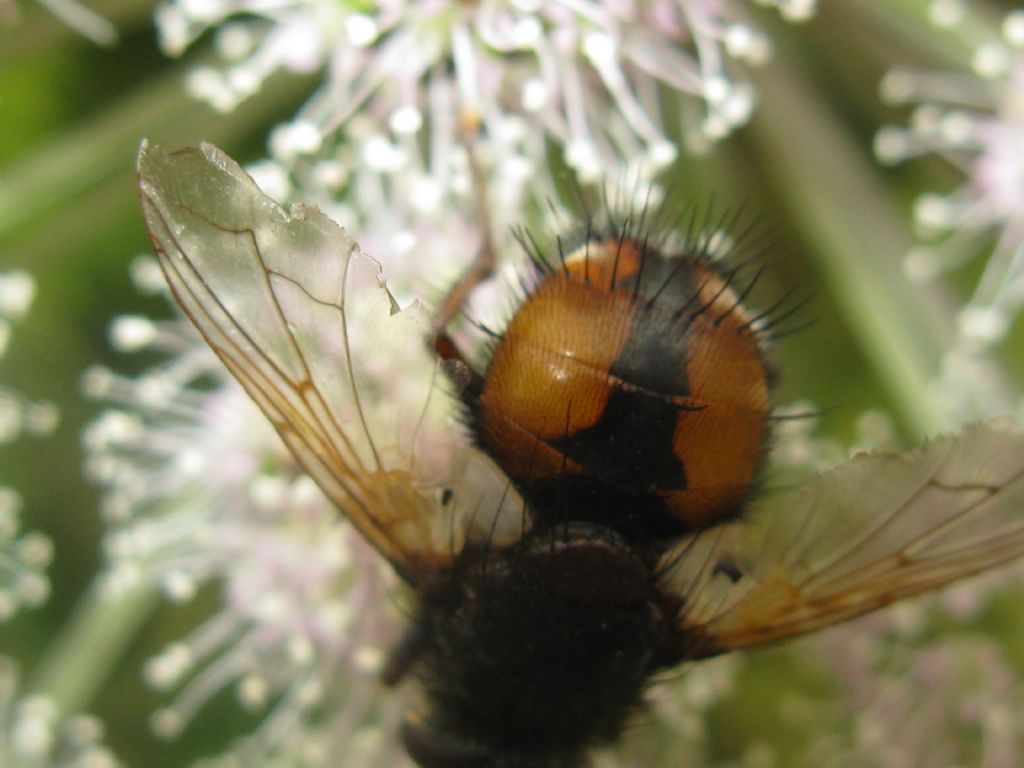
877,529
303,320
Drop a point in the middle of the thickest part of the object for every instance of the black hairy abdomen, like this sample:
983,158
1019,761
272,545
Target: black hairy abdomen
527,674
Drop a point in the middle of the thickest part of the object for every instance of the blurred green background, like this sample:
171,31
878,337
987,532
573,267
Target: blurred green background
72,116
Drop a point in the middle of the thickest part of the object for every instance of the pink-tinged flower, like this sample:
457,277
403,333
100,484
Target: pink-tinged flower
24,557
883,663
30,738
199,490
974,120
415,94
435,120
593,74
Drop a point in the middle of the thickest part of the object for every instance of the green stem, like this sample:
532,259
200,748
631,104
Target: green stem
911,22
42,31
91,643
67,170
845,212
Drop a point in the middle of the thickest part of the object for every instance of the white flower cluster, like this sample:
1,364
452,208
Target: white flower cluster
23,557
198,490
415,93
587,71
29,737
18,415
879,716
975,121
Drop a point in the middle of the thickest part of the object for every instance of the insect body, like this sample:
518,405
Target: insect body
546,605
532,654
627,401
628,389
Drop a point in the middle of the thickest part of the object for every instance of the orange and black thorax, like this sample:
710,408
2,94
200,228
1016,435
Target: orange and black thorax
628,389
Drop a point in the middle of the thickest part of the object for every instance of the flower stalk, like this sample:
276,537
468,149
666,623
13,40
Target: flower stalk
851,220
